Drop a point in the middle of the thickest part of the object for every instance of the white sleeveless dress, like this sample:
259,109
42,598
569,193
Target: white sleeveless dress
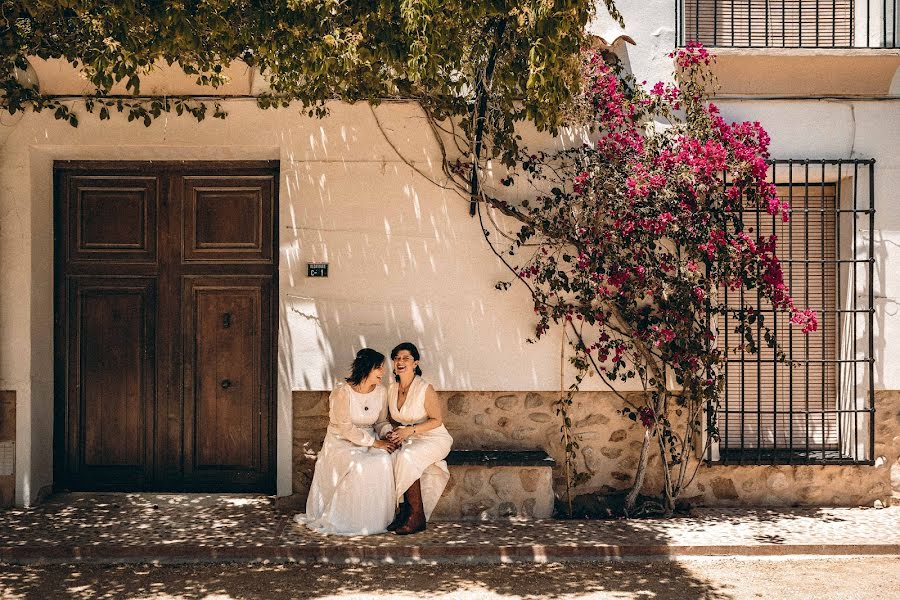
422,455
352,491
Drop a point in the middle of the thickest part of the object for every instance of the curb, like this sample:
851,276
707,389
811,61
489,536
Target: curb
426,554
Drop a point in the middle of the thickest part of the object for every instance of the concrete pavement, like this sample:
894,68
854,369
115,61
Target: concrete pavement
198,528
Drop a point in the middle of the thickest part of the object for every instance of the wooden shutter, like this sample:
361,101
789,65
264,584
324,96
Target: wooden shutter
788,405
769,23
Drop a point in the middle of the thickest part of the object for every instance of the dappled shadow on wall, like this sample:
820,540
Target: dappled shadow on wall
406,263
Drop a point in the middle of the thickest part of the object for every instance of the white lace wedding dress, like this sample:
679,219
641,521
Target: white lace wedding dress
352,490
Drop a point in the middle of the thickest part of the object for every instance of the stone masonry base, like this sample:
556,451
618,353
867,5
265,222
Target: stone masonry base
7,448
610,445
477,493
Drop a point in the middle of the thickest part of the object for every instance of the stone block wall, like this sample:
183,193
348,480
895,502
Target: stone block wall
478,493
611,444
7,448
310,422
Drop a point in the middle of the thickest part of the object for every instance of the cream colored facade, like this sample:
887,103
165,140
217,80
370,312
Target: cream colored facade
407,262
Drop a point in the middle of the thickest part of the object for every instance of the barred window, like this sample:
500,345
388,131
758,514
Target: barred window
787,23
817,405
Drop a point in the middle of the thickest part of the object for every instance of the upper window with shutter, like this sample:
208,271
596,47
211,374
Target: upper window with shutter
788,23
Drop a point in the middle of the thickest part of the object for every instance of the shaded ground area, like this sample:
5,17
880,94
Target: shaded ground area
142,527
871,578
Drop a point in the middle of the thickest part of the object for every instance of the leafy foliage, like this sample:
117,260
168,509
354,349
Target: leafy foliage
310,52
633,238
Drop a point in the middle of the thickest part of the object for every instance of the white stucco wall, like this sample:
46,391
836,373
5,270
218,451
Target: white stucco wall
406,260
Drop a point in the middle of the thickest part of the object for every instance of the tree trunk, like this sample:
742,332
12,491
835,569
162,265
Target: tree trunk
482,90
668,489
631,498
568,472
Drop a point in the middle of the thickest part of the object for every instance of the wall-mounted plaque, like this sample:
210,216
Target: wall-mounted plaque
317,269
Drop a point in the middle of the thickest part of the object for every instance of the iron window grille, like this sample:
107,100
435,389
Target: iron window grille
787,23
817,406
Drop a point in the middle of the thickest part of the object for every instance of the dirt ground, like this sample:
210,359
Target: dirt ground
858,577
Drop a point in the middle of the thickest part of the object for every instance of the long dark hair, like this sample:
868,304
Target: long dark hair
366,360
411,348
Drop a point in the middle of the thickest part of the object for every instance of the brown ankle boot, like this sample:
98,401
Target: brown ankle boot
416,520
401,517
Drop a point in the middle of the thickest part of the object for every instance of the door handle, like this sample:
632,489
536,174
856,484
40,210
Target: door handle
226,320
226,383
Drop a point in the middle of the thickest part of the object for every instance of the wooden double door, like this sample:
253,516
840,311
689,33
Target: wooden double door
165,291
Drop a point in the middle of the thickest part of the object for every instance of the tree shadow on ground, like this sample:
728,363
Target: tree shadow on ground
660,580
240,521
154,521
190,526
144,520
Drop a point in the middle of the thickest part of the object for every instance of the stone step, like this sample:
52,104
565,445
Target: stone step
497,484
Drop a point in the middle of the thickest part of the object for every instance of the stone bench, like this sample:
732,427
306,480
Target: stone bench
497,484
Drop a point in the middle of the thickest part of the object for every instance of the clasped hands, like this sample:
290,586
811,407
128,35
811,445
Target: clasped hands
386,444
393,439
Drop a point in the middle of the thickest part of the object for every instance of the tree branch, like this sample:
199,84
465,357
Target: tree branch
408,162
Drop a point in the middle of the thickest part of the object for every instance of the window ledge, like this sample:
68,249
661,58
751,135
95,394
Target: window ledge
776,51
770,456
814,72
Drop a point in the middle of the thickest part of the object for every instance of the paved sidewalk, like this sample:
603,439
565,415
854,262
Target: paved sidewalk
174,528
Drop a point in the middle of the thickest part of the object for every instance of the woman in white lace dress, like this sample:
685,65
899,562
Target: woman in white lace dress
352,490
420,472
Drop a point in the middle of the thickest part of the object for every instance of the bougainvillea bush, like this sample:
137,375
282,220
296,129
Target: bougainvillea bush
633,241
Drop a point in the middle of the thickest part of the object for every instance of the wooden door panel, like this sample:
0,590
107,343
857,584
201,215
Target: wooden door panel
111,380
227,379
228,219
156,388
112,218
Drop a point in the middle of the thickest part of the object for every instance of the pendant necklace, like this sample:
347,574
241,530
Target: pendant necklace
400,391
365,401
